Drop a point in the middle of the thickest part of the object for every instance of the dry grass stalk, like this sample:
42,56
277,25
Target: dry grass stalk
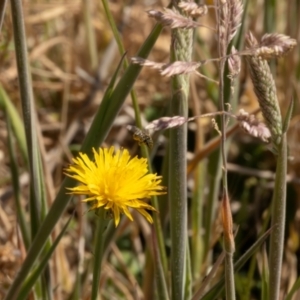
230,16
275,45
254,127
170,69
265,90
166,122
147,63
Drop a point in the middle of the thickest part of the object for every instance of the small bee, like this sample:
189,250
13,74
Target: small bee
142,137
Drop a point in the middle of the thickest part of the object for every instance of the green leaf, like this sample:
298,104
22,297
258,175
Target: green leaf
294,289
288,116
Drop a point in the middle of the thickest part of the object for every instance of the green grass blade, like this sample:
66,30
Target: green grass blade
16,186
110,107
29,115
288,116
265,275
161,284
278,220
27,286
16,123
188,275
294,289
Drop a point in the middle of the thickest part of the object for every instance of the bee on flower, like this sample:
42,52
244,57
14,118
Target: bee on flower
116,182
141,136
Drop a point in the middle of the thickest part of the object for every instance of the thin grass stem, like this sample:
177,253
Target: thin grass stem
16,185
2,12
98,253
90,32
226,211
28,112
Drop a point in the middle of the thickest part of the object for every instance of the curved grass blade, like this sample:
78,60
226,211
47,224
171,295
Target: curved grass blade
288,116
29,116
16,123
294,289
27,286
16,185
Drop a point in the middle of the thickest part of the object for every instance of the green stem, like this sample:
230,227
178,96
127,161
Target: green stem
177,196
181,49
229,248
278,221
90,33
227,220
27,99
229,276
98,253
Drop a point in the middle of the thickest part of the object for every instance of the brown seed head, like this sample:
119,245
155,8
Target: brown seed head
236,13
193,9
230,16
275,45
227,226
172,19
254,127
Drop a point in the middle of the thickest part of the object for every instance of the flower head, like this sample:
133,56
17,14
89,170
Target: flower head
115,181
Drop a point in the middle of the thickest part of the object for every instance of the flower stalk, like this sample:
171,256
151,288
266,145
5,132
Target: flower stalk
229,20
265,89
181,49
102,223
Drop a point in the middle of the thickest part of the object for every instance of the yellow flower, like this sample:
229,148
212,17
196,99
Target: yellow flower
115,182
